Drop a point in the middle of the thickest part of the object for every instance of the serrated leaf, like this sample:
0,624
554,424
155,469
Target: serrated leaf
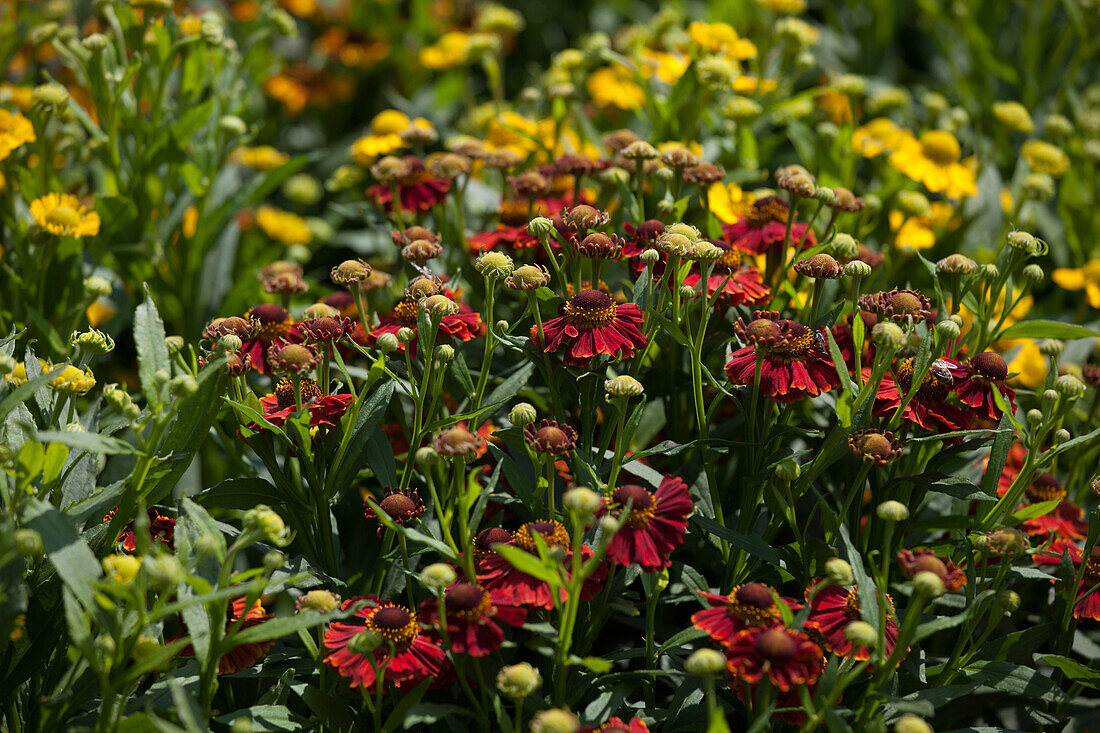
151,349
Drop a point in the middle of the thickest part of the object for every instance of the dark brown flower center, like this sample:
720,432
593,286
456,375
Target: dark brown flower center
767,210
990,365
284,392
754,595
553,534
1044,488
399,506
630,493
930,564
590,309
763,329
391,618
905,303
554,438
776,646
486,538
467,601
396,625
275,322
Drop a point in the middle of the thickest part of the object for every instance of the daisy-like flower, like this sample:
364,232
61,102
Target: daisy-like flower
748,605
764,226
15,131
618,725
401,505
832,609
1065,522
64,216
903,306
517,588
794,363
986,372
276,326
929,407
1052,554
787,658
464,325
283,226
880,135
408,656
591,323
655,525
1087,603
418,191
162,529
472,616
923,559
550,437
241,656
510,233
323,409
736,279
934,161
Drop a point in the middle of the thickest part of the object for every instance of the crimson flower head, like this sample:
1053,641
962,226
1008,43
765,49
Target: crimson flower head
161,529
417,190
323,409
618,725
326,329
794,363
592,323
748,605
923,559
787,658
986,372
832,608
550,437
516,588
472,616
1066,521
654,527
737,280
276,327
464,325
408,656
764,227
402,505
241,656
1087,603
642,237
929,407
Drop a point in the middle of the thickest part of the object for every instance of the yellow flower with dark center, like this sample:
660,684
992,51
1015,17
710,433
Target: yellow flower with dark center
15,130
611,86
878,136
1042,157
919,232
446,53
64,216
1085,278
283,226
261,157
934,161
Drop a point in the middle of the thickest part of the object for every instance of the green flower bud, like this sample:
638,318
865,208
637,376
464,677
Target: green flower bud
183,386
427,457
266,522
608,525
273,560
1033,274
862,634
739,108
1058,126
956,265
623,385
517,681
388,343
49,97
440,306
705,662
1061,435
540,227
582,501
92,341
321,601
1039,187
105,649
74,427
1034,417
164,571
522,413
232,125
888,335
365,642
97,287
929,584
303,189
1008,600
1006,542
948,329
1025,242
444,353
914,203
787,470
857,268
892,511
241,725
208,545
28,543
555,720
437,575
1070,387
405,334
845,246
839,572
494,265
95,42
1051,347
650,256
910,723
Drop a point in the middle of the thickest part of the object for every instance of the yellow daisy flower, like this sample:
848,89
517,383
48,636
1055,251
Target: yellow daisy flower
1042,157
64,216
878,136
747,84
15,130
611,86
99,312
384,137
721,38
919,232
934,161
666,66
1085,278
446,53
261,157
1029,362
283,226
73,379
728,202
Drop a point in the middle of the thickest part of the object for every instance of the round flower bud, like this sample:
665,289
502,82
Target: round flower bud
1051,347
1035,417
405,334
948,329
707,252
825,195
522,413
230,342
365,642
444,353
609,525
437,576
989,272
502,326
1070,387
582,501
388,343
929,584
1006,542
686,230
1014,116
705,662
892,511
426,457
555,720
821,266
105,647
1058,126
650,256
97,287
1008,600
440,306
623,385
121,568
1039,186
350,271
639,150
674,243
49,96
273,560
265,521
303,189
164,571
494,265
183,386
956,264
528,277
540,227
28,543
910,723
321,601
95,342
861,633
1061,435
787,470
293,359
1033,274
131,412
888,335
232,125
845,246
74,427
739,108
687,292
1025,242
857,268
145,647
914,203
517,681
839,572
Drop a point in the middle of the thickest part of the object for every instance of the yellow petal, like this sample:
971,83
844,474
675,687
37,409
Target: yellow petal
1069,278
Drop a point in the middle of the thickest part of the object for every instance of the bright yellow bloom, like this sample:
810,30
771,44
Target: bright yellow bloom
668,67
301,8
746,84
449,51
1006,199
1042,157
283,226
64,216
694,147
1085,278
261,157
18,375
121,568
728,202
611,86
190,221
1014,116
18,94
878,136
72,379
721,38
934,161
1029,362
384,137
99,312
836,105
191,24
15,130
919,232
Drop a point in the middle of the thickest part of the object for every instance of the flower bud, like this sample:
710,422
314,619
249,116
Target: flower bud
650,256
1039,187
929,584
639,150
948,329
440,306
405,334
273,560
92,341
232,125
540,227
1006,542
1051,347
686,230
914,203
97,287
105,648
303,189
522,413
437,576
821,266
265,521
74,427
956,264
1014,116
861,634
387,343
706,252
674,243
1008,600
528,277
845,246
910,723
131,412
888,335
687,292
857,268
705,662
623,385
321,601
183,386
365,642
349,272
555,720
517,681
1034,417
739,108
787,470
426,457
1025,242
49,96
145,647
164,571
28,543
121,568
892,511
1061,435
494,265
609,525
1070,387
582,501
839,572
1033,274
444,353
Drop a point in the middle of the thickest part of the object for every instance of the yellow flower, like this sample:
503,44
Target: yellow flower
261,157
1085,278
1014,116
728,202
283,226
449,51
746,84
1029,362
190,221
918,232
121,568
72,379
878,136
721,38
19,94
668,145
384,137
1042,157
934,161
64,216
99,312
18,624
836,105
18,375
301,8
611,86
789,7
191,24
1006,199
666,66
15,130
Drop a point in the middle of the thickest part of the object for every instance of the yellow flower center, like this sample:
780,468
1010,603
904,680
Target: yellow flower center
63,216
590,309
641,504
940,147
406,312
396,625
553,534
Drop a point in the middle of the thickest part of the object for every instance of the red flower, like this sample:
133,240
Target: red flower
418,191
408,656
323,409
516,588
617,725
655,525
1087,603
985,372
831,610
912,562
276,326
472,613
764,227
748,605
794,366
787,658
503,237
591,323
464,325
1052,554
161,529
401,505
242,656
739,284
1064,522
929,407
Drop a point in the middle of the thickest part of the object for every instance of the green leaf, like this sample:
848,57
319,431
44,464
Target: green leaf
408,699
151,349
866,589
597,664
1040,329
68,553
1016,679
285,625
355,453
1076,671
267,718
22,393
1040,509
752,544
525,562
509,387
89,442
241,493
